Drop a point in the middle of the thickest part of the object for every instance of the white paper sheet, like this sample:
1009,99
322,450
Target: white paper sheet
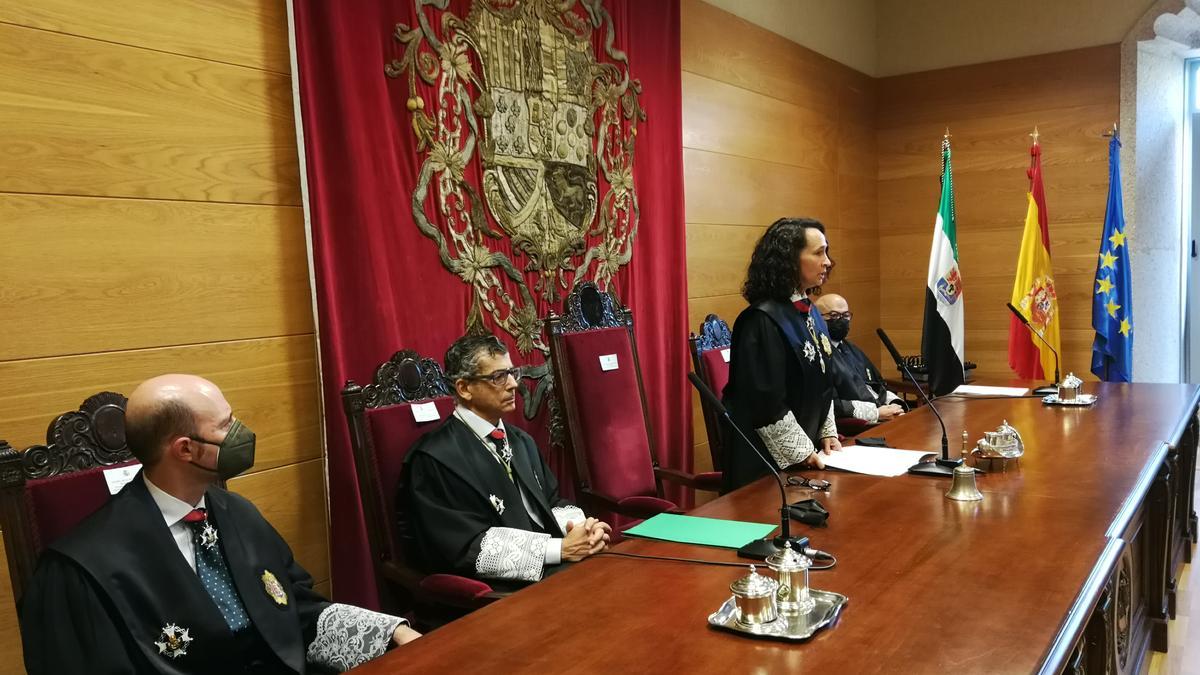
978,390
425,412
117,478
874,461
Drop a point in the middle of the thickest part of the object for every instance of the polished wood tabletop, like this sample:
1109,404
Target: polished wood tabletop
934,585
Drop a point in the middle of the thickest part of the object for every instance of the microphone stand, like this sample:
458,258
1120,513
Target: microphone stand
759,549
943,466
1049,388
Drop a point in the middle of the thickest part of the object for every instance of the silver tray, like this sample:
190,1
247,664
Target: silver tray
802,627
1080,399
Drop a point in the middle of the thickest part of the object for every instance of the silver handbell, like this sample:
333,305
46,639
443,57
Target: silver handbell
963,489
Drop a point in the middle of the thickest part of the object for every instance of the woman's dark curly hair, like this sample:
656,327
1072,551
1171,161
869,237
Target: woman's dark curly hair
774,271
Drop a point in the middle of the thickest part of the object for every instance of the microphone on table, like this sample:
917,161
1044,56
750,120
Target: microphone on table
1049,388
943,466
759,549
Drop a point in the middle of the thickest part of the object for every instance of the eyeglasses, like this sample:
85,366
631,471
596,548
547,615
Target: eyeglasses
811,484
834,316
498,378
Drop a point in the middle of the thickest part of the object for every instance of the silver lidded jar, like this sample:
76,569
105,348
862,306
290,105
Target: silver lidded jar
1070,388
754,595
791,567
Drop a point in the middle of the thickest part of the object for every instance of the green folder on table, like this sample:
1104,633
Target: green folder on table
696,530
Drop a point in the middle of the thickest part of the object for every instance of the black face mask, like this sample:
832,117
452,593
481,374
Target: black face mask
235,454
838,329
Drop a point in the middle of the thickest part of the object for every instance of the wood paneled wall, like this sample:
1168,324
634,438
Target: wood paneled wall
151,222
771,129
1072,97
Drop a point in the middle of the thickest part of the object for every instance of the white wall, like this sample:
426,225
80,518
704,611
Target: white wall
1155,220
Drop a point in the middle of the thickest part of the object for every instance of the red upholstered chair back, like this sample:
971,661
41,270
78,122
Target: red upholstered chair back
710,360
382,419
598,384
610,430
48,489
393,430
383,427
59,503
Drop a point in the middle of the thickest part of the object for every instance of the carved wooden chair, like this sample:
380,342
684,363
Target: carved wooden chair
598,386
383,427
48,489
710,360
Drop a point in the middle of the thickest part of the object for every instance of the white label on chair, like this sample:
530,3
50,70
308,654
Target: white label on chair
608,362
425,412
725,354
118,477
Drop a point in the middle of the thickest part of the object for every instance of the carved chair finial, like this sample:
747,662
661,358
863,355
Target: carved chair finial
589,308
714,334
405,377
81,439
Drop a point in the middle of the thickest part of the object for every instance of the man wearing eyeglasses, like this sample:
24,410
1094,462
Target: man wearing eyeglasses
861,392
478,497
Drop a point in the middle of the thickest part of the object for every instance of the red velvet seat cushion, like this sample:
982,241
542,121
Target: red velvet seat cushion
393,432
453,589
716,370
649,505
709,480
58,504
613,437
851,426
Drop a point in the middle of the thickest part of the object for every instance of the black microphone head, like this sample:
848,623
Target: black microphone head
1017,313
706,393
887,342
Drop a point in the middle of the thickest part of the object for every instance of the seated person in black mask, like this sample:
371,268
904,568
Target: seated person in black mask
480,501
861,392
176,575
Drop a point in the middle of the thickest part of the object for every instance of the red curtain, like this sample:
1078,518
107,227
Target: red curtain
380,284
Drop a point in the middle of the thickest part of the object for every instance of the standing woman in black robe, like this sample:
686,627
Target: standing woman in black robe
779,387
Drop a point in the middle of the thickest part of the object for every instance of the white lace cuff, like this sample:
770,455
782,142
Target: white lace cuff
865,411
348,636
829,428
891,397
554,551
568,514
786,441
509,553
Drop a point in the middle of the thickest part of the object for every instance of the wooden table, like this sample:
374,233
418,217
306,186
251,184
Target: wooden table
1055,566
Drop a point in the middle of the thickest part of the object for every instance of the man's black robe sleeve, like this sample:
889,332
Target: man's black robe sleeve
66,625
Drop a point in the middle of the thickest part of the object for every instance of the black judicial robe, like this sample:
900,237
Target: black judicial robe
103,594
855,378
776,365
445,495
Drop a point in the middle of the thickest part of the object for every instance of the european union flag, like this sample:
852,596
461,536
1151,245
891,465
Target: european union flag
1112,307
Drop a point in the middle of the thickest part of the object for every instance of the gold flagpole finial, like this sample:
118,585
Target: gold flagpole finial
1110,134
1035,134
947,136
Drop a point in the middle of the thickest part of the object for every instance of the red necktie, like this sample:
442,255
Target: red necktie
196,516
496,436
803,305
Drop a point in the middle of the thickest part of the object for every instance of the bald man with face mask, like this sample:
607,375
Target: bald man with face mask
861,392
176,575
